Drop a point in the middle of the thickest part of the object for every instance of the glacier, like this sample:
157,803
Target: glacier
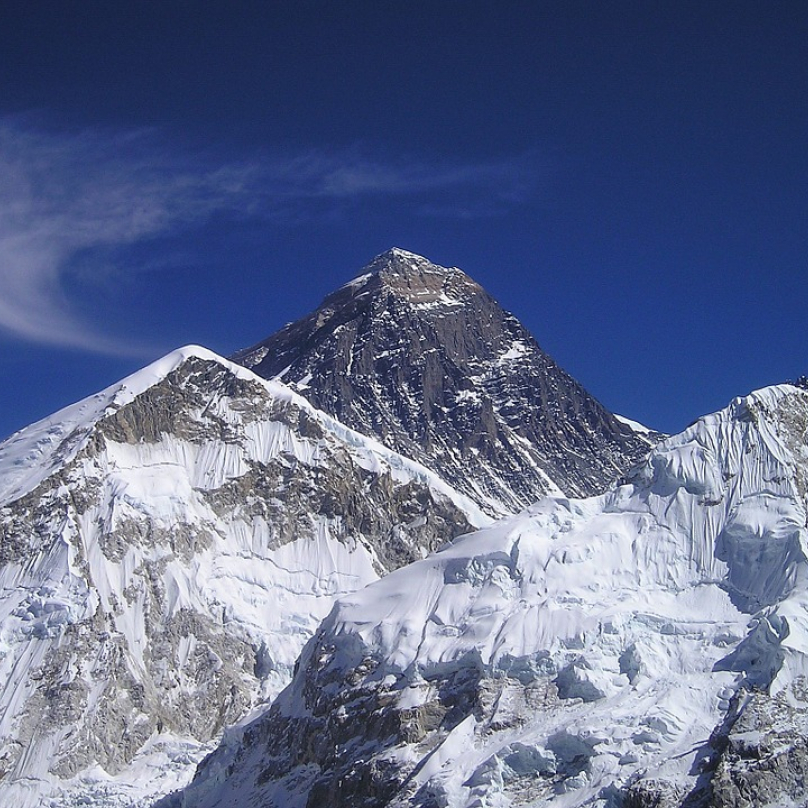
645,647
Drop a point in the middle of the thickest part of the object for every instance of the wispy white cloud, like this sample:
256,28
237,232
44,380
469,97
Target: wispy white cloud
64,195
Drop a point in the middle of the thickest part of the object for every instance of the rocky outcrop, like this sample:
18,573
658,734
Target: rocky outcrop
764,758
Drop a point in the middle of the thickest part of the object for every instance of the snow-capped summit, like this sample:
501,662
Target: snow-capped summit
424,359
647,647
167,547
417,279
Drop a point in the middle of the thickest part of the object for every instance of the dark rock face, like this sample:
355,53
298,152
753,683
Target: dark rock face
757,758
334,738
319,744
764,760
426,360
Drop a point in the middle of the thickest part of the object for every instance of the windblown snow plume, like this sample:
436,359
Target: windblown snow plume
646,647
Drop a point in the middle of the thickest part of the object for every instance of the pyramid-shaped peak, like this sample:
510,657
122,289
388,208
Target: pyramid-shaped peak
425,360
403,262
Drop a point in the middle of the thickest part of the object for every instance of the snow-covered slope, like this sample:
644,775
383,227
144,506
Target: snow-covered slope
166,548
647,647
423,358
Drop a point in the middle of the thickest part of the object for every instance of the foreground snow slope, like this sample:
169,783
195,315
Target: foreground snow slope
167,547
642,648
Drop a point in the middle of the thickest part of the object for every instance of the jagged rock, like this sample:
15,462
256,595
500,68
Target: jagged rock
652,794
764,760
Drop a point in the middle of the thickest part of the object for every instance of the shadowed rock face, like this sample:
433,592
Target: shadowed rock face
764,760
423,358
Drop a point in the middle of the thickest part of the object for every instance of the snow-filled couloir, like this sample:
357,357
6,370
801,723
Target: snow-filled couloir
167,548
646,647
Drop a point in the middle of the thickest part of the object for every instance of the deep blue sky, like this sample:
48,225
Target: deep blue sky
629,178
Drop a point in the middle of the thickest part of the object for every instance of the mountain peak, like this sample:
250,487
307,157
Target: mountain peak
397,260
133,521
398,254
421,357
413,278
